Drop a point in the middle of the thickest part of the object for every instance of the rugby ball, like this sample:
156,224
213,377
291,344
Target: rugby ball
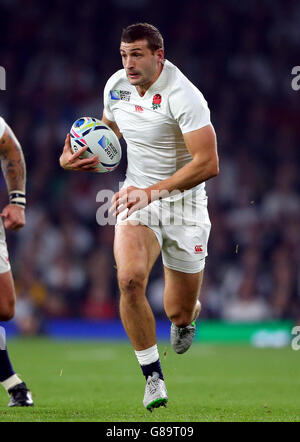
101,141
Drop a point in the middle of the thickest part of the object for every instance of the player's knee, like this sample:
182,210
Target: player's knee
132,281
7,310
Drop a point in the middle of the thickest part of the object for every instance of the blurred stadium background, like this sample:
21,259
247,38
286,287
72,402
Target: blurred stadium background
58,56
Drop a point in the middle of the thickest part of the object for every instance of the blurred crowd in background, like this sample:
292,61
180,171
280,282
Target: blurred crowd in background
58,56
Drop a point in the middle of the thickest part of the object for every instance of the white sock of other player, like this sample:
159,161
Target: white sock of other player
8,377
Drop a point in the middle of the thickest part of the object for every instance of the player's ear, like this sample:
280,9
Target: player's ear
160,54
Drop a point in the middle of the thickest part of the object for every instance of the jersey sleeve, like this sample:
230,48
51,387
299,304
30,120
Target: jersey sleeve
2,127
189,107
106,101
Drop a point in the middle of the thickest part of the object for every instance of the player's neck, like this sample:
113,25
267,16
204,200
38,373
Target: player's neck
142,88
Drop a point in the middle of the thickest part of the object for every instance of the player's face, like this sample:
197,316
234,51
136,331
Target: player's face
142,66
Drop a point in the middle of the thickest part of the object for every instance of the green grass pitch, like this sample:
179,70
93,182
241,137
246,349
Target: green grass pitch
95,381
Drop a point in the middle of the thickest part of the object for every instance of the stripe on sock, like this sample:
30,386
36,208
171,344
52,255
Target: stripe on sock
11,382
147,356
2,338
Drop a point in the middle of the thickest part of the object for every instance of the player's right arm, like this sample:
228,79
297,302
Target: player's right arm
112,125
72,161
107,115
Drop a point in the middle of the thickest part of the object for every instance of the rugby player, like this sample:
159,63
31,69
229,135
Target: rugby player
172,151
12,218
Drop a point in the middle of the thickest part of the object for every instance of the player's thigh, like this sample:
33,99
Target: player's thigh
7,296
181,292
136,249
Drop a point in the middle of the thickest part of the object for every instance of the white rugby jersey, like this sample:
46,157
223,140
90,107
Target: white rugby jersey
2,127
153,125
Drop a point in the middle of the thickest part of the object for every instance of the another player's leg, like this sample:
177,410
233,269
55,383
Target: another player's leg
182,306
15,387
136,249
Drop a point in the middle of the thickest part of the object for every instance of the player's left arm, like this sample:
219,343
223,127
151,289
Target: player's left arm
202,145
204,165
14,171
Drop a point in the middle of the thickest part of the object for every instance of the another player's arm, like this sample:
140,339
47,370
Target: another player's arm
12,161
14,171
204,165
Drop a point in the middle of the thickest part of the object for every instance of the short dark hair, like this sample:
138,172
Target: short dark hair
143,31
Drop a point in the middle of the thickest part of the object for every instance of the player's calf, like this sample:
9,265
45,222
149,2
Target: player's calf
7,309
7,296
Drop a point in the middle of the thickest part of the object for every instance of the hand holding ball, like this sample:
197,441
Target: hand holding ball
99,139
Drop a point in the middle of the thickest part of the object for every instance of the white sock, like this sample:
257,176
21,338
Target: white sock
11,382
147,356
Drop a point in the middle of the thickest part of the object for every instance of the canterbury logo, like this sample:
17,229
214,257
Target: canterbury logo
198,249
139,108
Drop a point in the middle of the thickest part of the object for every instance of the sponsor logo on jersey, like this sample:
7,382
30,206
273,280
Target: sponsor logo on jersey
116,94
156,100
125,95
139,108
198,248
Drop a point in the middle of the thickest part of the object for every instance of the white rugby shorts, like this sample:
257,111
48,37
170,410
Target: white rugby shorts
181,227
4,261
